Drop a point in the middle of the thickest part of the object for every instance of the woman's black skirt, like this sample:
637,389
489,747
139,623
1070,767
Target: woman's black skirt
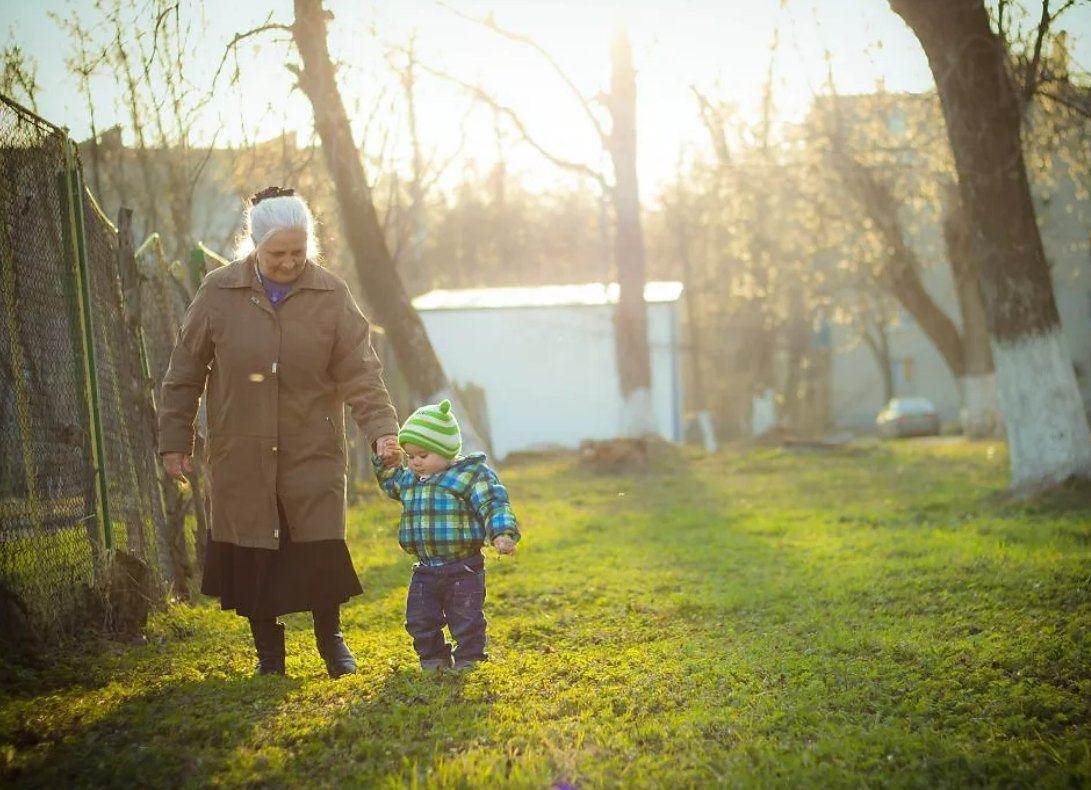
297,577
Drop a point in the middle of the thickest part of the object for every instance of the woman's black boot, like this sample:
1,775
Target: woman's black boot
269,644
331,643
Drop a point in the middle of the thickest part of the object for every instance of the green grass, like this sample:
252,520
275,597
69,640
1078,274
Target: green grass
752,621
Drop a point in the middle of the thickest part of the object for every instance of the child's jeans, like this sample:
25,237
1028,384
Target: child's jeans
451,595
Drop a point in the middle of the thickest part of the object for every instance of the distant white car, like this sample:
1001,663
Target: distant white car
908,417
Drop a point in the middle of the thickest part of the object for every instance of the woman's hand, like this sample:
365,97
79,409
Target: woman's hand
388,448
177,466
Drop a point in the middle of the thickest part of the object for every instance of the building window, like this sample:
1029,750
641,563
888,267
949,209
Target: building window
897,123
902,320
902,372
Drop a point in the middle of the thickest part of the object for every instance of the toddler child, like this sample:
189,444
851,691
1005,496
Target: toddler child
452,506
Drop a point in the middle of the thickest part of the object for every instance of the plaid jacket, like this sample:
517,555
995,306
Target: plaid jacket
451,514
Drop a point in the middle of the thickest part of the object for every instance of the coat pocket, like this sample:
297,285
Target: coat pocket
336,432
241,488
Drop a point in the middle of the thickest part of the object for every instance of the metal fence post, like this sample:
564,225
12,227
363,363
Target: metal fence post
90,365
197,269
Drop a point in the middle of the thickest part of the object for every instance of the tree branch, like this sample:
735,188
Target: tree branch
715,130
294,171
482,95
240,37
371,119
1030,80
1082,105
435,172
491,24
1032,76
163,14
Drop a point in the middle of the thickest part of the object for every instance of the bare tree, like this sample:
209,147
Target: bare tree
1047,427
681,222
873,326
876,197
632,327
375,268
761,245
19,75
633,360
147,47
409,228
901,268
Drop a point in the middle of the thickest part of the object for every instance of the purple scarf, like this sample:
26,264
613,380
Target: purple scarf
275,291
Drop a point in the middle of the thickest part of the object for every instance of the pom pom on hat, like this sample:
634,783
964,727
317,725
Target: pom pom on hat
434,428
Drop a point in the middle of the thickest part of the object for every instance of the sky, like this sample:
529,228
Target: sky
720,46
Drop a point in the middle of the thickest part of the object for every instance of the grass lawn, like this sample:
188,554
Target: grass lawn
753,621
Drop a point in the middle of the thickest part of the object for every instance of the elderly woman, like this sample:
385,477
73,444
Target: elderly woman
278,345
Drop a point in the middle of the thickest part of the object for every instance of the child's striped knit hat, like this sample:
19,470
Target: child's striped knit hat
433,428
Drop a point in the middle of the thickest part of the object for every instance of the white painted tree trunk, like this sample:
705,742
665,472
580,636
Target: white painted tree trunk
1046,423
708,431
981,415
1043,411
638,414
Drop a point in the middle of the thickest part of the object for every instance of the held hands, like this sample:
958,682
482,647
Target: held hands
388,448
505,545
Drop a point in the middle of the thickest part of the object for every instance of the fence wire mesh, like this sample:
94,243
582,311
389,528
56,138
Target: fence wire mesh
72,403
126,408
164,297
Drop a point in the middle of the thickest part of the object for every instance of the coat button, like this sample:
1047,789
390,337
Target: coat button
255,299
274,448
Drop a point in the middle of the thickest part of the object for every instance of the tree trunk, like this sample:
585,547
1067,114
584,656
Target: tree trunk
900,274
693,321
698,398
634,364
1044,413
901,277
417,360
797,327
981,418
879,343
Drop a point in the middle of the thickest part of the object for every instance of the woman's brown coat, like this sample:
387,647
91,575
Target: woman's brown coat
276,385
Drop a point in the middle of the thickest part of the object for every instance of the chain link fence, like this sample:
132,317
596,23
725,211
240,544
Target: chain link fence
79,485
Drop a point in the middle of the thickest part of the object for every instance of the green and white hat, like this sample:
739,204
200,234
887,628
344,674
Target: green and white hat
433,428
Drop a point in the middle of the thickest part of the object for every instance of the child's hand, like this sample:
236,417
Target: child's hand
388,448
504,544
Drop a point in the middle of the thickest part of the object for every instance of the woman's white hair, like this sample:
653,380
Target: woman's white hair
265,219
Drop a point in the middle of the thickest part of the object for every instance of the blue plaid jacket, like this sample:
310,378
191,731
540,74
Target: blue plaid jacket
451,514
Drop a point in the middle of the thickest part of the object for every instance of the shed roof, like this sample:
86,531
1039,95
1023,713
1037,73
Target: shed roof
587,294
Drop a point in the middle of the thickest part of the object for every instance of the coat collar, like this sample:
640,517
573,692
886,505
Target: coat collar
242,274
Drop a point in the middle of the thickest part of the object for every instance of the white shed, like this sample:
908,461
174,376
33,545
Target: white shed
546,359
